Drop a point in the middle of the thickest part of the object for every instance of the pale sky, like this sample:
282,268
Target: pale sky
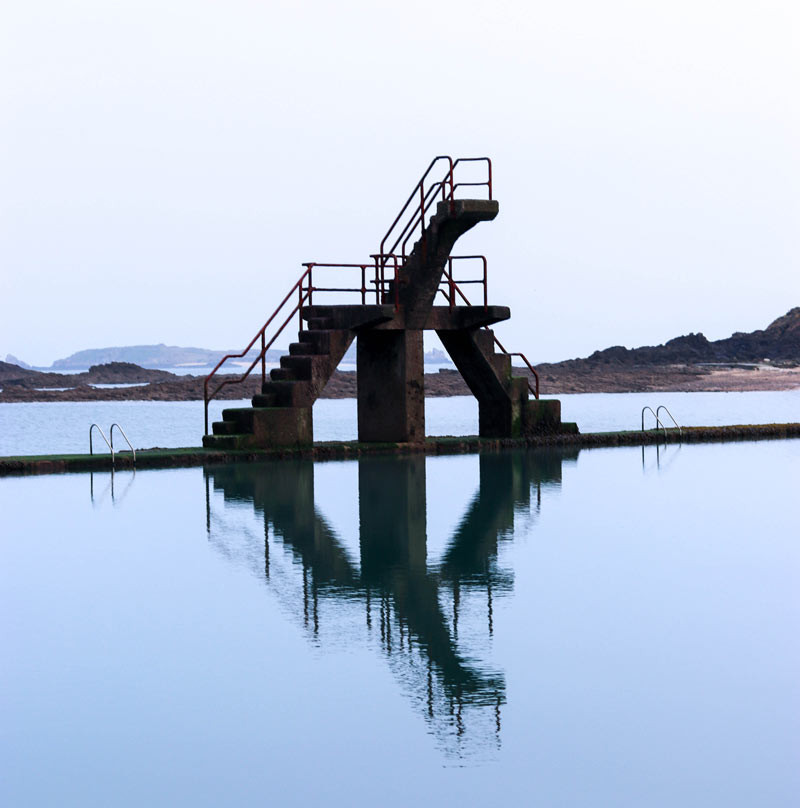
165,167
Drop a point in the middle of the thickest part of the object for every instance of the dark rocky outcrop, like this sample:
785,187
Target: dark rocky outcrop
683,363
779,342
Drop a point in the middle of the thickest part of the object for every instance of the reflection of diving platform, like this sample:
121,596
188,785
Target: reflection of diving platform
416,607
396,290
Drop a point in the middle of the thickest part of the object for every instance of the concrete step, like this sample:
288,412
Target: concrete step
223,427
224,441
319,339
518,388
239,418
484,339
304,349
501,364
284,394
282,374
320,323
301,366
242,418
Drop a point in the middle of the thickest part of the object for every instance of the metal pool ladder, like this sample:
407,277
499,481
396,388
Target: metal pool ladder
659,423
110,443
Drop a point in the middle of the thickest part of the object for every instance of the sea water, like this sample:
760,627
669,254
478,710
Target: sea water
63,427
604,627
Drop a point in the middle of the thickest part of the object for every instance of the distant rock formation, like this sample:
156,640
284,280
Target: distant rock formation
12,360
683,363
778,342
150,356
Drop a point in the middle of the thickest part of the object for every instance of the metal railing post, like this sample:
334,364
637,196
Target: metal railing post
451,282
130,445
263,356
91,447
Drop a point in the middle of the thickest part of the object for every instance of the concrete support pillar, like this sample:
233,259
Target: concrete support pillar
391,393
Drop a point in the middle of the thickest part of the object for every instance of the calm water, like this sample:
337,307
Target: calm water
609,627
52,428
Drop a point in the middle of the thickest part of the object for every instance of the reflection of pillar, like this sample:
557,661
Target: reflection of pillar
391,394
391,508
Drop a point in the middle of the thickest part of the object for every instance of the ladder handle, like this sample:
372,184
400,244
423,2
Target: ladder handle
658,421
663,407
91,448
130,445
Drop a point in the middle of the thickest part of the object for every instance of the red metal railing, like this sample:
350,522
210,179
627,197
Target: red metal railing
303,294
416,211
305,289
454,289
453,286
533,388
414,216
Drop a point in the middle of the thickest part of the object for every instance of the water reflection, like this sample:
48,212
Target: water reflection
664,457
109,487
432,621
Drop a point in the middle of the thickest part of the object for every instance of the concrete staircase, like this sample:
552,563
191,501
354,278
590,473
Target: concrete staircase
390,356
282,411
504,407
283,408
423,268
281,414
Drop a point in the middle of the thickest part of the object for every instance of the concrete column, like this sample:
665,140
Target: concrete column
391,392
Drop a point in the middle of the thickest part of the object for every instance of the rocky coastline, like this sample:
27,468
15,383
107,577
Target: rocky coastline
767,359
575,376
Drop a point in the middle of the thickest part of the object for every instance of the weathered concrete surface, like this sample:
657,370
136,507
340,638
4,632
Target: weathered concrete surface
391,386
542,416
253,427
445,318
349,316
422,272
501,397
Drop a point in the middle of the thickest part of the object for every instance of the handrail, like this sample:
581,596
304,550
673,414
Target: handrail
488,182
130,445
304,287
658,420
419,187
418,216
446,186
533,389
380,277
454,287
663,407
303,294
102,435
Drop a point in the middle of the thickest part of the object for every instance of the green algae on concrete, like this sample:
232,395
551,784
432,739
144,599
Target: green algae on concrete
334,450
